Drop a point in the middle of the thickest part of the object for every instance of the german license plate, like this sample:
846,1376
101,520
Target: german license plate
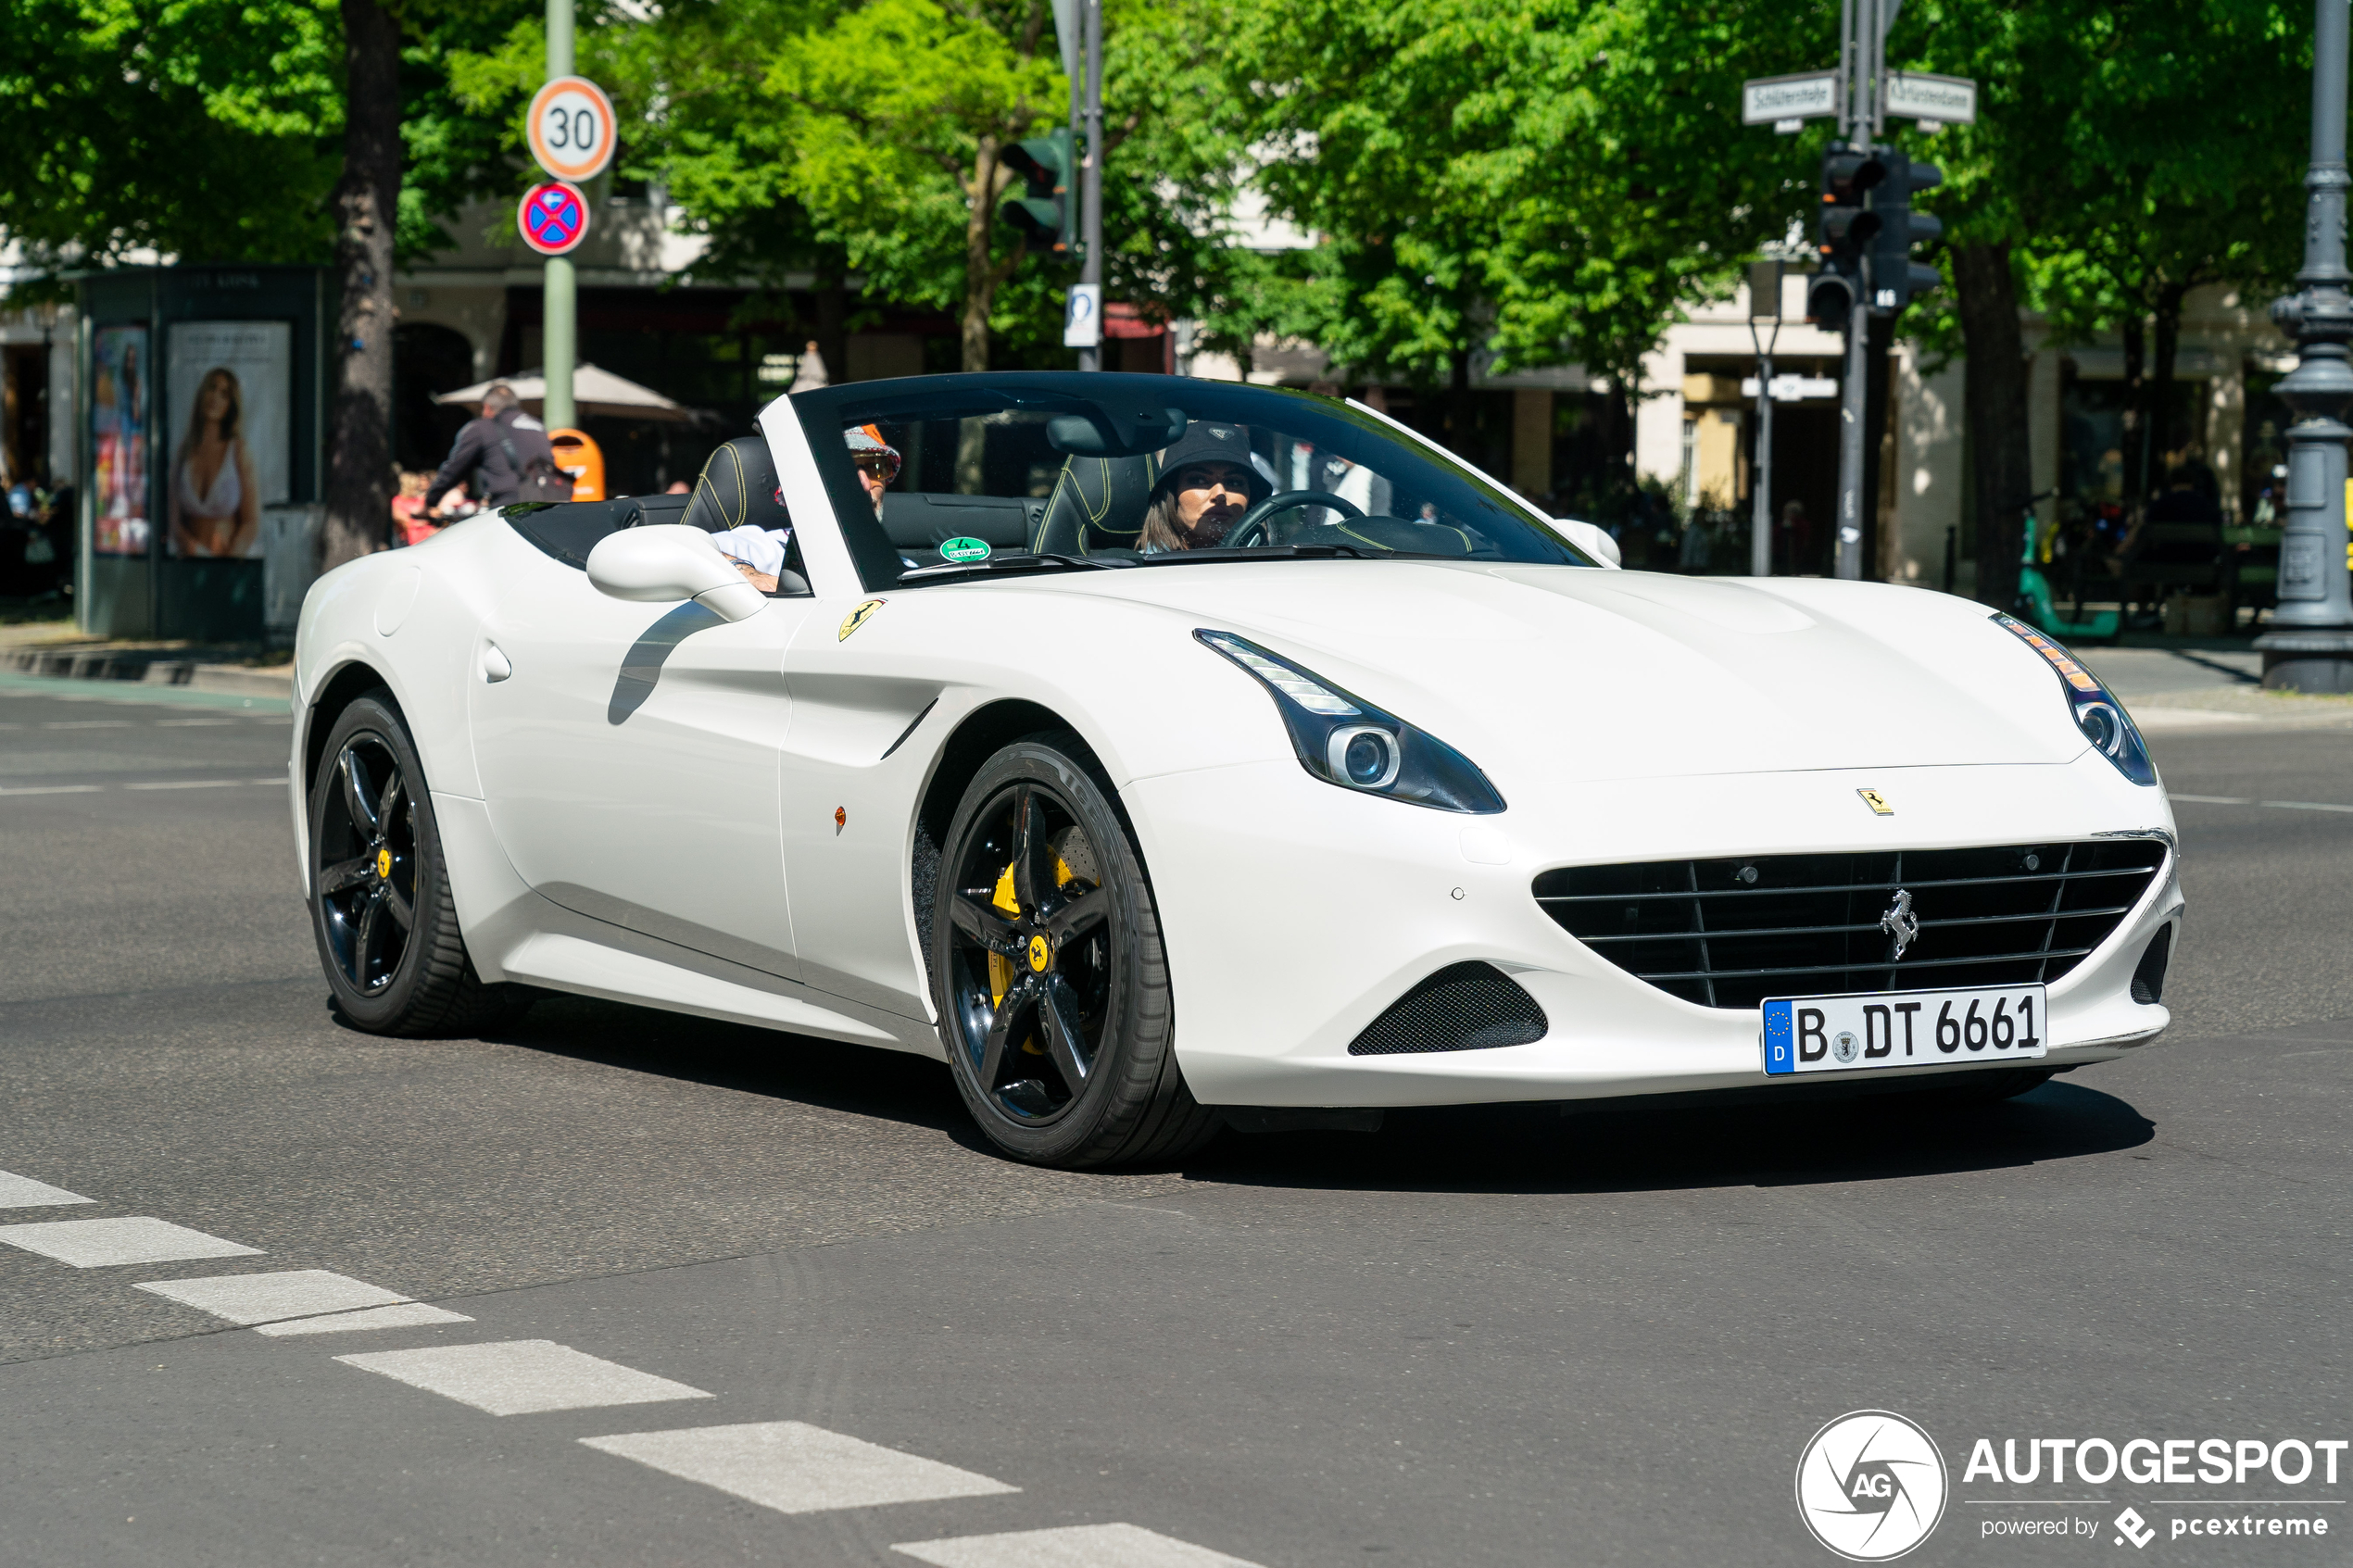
1855,1033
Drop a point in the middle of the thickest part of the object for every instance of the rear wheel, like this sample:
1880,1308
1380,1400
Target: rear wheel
380,903
1048,970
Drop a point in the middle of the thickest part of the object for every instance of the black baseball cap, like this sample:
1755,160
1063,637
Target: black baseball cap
1211,441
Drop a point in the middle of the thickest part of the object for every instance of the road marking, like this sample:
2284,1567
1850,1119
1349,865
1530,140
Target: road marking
55,789
87,724
97,1243
2242,800
293,1293
521,1376
1072,1546
23,1192
190,783
192,723
796,1468
411,1314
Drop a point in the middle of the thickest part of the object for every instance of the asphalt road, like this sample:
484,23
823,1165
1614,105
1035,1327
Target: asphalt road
1475,1338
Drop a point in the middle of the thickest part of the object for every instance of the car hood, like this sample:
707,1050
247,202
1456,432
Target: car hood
1582,674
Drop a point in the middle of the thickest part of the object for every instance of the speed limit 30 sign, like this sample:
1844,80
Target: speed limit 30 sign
572,129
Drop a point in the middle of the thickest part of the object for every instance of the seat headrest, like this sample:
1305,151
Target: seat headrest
736,489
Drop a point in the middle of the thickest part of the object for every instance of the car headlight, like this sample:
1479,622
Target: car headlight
1346,741
2097,713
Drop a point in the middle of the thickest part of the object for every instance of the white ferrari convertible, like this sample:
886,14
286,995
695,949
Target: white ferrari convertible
1164,755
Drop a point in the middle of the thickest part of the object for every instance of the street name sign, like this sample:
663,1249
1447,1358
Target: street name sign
1949,100
1793,389
1768,100
572,129
553,218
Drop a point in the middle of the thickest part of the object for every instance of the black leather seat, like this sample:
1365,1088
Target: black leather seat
1097,504
738,488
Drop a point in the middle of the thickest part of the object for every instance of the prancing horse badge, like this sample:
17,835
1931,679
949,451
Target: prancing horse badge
1877,802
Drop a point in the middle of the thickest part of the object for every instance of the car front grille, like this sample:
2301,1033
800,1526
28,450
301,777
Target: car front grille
1730,933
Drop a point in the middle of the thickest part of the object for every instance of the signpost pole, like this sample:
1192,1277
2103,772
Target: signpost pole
2309,647
1090,177
1858,50
1765,277
559,296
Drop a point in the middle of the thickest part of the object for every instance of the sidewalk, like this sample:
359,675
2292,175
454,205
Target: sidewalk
58,648
2208,685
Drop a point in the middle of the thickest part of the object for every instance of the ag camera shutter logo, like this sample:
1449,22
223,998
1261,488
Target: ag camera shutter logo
1871,1486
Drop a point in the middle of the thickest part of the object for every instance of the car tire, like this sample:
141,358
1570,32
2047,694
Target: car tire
1048,970
376,861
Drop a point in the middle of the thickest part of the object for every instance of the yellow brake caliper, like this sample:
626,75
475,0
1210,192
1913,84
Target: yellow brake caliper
1000,968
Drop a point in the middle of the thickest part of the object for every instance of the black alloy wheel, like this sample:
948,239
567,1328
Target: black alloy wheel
367,877
380,901
1054,988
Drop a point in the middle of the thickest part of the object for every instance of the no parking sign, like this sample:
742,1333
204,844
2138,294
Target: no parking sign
553,218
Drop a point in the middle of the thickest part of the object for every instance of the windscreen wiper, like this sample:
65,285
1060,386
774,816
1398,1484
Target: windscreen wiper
1264,552
1025,561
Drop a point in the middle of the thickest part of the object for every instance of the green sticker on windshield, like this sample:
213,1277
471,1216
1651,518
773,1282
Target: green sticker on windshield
965,549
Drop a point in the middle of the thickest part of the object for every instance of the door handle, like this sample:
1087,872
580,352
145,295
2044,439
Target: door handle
495,666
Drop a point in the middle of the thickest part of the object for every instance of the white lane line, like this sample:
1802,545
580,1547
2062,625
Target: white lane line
87,724
98,1243
191,723
412,1314
521,1376
280,782
55,789
1072,1546
796,1468
293,1293
2244,800
190,783
23,1192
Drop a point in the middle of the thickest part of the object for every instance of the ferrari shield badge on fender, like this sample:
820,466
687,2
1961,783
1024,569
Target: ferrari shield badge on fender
1871,798
858,618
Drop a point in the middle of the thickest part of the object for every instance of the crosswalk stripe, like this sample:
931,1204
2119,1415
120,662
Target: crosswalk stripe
1072,1546
292,1293
408,1314
23,1192
96,1244
796,1468
521,1376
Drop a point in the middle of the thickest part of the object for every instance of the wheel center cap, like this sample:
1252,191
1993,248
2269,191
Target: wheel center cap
383,864
1041,953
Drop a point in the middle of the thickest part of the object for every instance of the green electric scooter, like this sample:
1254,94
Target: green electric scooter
2037,605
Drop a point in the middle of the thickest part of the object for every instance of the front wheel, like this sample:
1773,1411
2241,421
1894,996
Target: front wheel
1048,971
380,902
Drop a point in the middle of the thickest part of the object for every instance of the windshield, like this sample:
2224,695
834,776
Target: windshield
967,470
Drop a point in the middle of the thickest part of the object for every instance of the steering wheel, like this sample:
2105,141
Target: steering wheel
1251,529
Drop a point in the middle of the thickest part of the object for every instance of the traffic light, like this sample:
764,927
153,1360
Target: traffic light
1043,210
1895,278
1842,231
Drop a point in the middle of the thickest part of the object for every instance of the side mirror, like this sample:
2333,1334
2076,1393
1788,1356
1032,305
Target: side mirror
1591,538
667,562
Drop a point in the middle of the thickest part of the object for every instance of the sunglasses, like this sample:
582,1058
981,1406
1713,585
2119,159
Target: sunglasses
876,463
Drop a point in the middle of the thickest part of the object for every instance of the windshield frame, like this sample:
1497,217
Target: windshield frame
824,413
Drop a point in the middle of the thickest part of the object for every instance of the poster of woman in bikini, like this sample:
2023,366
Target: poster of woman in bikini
228,396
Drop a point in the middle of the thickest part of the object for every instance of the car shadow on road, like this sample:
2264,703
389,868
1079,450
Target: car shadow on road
1595,1149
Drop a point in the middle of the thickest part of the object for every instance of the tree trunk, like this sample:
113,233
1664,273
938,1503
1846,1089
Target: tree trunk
2133,481
1993,403
359,478
2161,435
980,271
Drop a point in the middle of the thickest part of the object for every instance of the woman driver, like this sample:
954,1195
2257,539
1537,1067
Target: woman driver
1206,482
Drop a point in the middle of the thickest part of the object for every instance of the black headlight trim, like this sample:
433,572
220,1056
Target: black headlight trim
2097,714
1420,769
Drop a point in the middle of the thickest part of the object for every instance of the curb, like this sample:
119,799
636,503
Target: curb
149,669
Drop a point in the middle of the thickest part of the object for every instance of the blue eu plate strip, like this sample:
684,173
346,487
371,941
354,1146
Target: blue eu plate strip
1780,1028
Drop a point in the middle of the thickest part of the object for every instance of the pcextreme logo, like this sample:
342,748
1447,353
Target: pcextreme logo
1871,1486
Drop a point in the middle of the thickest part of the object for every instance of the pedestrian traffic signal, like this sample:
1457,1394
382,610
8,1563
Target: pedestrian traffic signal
1895,278
1044,211
1844,230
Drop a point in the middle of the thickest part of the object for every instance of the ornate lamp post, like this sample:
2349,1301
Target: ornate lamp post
2309,647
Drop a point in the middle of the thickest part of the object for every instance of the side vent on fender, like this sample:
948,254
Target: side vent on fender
1465,1006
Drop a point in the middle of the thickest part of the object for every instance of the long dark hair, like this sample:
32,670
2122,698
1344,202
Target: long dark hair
229,420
